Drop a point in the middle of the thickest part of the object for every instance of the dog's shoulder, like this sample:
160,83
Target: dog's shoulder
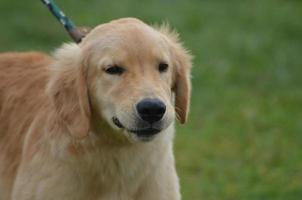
30,56
10,59
20,67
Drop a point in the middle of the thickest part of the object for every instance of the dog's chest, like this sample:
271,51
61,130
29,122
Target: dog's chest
118,174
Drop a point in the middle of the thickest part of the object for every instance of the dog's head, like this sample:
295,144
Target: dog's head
132,75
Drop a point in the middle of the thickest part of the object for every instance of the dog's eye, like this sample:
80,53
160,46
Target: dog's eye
114,70
163,67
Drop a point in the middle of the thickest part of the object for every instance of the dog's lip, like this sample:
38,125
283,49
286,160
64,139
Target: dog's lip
117,122
146,132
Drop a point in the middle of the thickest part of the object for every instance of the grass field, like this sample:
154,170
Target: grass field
244,136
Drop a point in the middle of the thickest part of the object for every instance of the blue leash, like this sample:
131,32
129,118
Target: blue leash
75,33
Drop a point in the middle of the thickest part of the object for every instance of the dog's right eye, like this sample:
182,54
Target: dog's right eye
114,70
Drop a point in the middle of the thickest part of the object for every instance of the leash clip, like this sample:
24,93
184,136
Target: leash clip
75,33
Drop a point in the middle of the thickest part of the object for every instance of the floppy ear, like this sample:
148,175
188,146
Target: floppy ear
182,87
68,92
182,61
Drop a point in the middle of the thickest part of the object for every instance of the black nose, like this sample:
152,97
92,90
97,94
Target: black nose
151,110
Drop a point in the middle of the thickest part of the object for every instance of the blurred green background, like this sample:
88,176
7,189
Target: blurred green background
244,136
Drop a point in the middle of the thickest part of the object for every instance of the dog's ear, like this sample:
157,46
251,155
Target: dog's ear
181,59
68,91
182,85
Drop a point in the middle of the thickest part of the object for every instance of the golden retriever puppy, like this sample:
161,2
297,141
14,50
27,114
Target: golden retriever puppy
96,121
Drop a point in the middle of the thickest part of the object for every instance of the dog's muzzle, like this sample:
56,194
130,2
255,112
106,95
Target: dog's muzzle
141,133
149,115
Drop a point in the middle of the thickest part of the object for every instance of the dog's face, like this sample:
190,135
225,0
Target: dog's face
136,77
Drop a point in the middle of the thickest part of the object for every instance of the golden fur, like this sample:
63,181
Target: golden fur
57,138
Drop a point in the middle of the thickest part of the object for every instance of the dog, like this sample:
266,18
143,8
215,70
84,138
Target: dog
95,121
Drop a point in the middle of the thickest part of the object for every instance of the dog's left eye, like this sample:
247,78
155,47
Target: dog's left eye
163,67
114,70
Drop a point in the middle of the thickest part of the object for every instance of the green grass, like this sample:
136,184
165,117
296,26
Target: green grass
244,136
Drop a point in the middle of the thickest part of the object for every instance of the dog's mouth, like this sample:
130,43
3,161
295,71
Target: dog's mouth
142,133
117,122
145,132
